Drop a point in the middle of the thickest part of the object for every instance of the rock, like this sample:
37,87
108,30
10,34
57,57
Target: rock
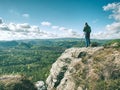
40,85
81,68
15,82
115,44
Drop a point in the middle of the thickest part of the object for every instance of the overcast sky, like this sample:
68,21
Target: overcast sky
36,19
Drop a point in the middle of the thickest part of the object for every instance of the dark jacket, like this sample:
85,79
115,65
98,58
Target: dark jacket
87,30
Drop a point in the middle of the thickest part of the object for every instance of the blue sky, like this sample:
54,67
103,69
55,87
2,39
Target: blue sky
36,19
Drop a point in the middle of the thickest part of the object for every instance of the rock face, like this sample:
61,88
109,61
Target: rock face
40,85
86,69
15,82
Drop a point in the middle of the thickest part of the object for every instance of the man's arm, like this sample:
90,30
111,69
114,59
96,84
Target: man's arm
84,30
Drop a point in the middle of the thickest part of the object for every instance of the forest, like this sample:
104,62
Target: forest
34,58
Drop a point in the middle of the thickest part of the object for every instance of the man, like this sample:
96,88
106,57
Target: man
87,31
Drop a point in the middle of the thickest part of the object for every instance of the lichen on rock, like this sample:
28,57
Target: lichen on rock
85,69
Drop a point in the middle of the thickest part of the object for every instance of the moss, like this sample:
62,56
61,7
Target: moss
86,59
108,85
2,86
113,43
104,67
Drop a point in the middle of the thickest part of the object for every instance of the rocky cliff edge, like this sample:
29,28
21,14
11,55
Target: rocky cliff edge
93,68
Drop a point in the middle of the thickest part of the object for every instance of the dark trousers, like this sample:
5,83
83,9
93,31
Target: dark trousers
87,40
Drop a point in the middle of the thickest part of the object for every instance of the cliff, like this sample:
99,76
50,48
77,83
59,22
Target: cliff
93,68
16,82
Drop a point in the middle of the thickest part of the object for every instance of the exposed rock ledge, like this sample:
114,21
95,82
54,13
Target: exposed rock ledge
82,68
16,82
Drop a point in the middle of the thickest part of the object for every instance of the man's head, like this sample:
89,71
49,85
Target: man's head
86,23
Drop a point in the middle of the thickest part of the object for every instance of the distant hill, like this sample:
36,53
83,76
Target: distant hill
62,42
6,44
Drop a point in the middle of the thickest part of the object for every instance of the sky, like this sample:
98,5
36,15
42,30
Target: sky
44,19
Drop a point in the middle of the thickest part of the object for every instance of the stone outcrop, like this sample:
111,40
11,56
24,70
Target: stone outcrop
15,82
83,68
40,85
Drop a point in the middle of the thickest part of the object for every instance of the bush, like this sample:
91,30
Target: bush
94,44
113,43
108,85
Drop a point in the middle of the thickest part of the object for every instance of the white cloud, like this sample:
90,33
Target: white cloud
26,15
12,27
68,32
113,30
14,31
115,8
55,27
110,6
114,26
24,25
105,35
34,29
4,27
71,32
45,23
19,27
62,28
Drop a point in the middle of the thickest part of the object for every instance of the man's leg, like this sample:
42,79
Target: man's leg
87,41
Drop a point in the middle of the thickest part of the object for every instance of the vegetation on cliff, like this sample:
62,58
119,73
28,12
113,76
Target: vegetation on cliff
34,58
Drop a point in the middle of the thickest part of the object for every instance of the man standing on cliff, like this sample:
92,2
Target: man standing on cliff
87,31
